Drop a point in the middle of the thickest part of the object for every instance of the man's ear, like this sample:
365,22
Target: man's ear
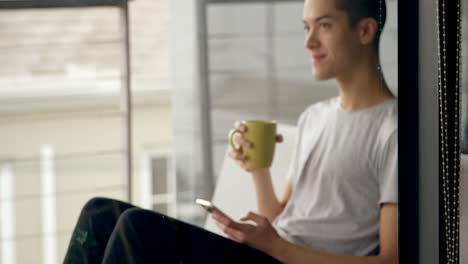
367,29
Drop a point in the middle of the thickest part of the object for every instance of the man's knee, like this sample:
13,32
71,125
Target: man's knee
136,218
144,234
133,216
96,203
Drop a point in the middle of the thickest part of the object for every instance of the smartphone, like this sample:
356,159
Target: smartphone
210,207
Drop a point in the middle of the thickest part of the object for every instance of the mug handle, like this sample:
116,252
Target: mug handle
231,139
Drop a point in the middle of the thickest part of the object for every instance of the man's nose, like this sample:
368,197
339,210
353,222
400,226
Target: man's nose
311,40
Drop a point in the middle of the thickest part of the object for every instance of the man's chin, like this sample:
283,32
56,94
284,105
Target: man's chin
318,76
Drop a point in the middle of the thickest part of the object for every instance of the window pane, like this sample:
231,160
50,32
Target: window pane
60,120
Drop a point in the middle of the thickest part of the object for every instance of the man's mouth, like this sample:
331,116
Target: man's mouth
318,58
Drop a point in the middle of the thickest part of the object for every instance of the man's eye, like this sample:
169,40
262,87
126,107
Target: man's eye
306,29
325,25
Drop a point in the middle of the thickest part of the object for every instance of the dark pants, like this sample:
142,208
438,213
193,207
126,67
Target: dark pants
110,231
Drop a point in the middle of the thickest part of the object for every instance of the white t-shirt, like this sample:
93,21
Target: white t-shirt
344,166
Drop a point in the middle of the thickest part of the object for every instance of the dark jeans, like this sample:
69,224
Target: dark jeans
110,231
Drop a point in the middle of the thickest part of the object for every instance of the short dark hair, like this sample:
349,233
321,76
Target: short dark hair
359,9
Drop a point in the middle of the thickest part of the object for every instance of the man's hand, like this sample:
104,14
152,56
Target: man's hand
261,236
241,143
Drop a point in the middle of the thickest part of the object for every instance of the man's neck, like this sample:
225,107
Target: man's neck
364,87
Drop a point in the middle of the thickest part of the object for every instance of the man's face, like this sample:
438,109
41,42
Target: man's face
332,45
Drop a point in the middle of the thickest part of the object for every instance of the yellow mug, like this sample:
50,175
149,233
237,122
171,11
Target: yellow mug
262,135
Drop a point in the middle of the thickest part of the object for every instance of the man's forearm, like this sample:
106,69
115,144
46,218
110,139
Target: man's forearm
290,253
267,202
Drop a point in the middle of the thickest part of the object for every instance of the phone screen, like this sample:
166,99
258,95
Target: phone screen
209,206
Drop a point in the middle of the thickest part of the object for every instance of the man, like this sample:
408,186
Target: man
342,207
347,207
340,203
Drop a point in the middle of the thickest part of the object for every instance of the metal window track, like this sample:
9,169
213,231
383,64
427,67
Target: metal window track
29,4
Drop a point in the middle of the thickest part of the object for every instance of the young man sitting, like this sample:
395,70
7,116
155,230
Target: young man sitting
341,201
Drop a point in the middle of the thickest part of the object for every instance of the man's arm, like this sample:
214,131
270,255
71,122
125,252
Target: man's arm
291,253
267,202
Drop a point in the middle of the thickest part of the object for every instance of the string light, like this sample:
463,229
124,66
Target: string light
456,183
451,208
442,98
